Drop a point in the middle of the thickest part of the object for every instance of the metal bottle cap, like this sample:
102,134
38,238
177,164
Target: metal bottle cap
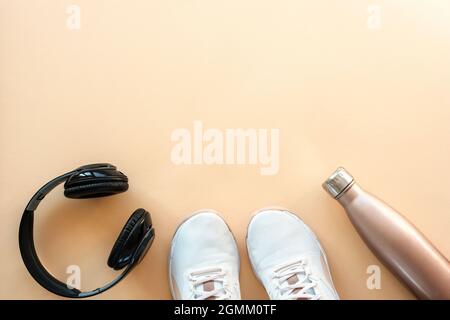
339,181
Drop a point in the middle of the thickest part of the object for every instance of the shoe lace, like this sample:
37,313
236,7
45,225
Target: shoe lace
294,281
215,276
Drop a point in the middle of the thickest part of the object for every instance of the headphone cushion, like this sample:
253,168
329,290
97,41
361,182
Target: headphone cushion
95,180
123,241
95,189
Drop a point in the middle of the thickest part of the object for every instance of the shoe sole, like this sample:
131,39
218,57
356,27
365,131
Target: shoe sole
276,208
175,233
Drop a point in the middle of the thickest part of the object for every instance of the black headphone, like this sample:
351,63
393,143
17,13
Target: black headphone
90,181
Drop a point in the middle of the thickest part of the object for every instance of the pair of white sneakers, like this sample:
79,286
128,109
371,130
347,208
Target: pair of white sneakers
284,253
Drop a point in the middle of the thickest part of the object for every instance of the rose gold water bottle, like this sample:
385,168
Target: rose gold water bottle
392,238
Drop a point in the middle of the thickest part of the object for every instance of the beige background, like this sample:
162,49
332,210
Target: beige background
375,101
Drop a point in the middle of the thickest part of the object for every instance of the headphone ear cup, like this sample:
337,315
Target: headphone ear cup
95,190
127,242
97,180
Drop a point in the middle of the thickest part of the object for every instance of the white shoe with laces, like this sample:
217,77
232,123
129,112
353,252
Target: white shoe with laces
287,257
204,260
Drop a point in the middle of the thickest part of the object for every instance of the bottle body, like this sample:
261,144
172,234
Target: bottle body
397,243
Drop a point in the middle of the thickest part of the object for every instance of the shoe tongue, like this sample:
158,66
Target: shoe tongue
209,286
292,280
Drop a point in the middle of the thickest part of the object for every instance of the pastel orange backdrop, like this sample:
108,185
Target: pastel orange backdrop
342,92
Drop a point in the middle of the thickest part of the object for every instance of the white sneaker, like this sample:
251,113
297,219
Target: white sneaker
204,260
287,257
